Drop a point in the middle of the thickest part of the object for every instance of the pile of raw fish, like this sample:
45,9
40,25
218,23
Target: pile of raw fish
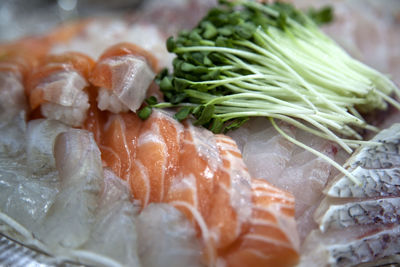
84,179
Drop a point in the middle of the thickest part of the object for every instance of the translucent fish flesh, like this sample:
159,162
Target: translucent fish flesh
124,74
360,223
378,167
239,219
81,178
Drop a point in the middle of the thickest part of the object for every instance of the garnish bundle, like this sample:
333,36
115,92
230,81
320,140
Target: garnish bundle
249,59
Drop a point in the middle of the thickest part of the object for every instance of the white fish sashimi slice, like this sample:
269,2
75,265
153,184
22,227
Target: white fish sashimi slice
107,100
361,223
12,135
375,246
25,199
385,155
353,246
339,214
73,116
63,87
64,97
13,107
114,230
270,156
131,77
167,238
12,95
376,166
374,183
68,223
78,158
266,153
41,135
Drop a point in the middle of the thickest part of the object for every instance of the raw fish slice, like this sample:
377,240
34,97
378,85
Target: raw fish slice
232,196
58,87
392,260
41,135
353,246
156,157
114,231
360,223
167,238
271,239
126,71
267,153
204,177
342,213
228,211
269,156
12,95
376,166
199,161
96,119
107,100
116,135
118,143
12,131
193,183
23,55
374,183
81,176
17,59
25,199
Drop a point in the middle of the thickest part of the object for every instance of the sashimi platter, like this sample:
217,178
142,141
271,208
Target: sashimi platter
204,133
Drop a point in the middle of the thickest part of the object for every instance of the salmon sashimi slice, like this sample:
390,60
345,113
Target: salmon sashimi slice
96,118
198,160
204,176
231,200
157,156
239,219
116,135
16,60
123,74
57,87
119,142
23,55
271,238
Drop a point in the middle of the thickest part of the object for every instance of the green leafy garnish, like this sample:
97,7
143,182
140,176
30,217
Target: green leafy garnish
247,59
145,112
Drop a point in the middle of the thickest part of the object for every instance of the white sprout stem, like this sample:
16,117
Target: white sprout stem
258,96
88,256
389,99
30,239
294,73
15,225
333,79
329,133
79,254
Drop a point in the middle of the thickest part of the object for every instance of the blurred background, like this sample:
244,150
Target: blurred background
23,17
26,17
367,29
